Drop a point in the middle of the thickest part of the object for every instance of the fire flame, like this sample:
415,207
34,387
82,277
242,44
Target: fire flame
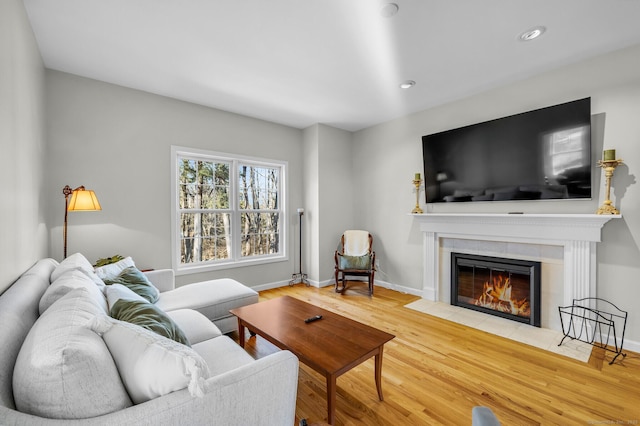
497,296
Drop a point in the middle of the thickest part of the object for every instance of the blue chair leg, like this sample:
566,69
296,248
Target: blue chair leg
483,416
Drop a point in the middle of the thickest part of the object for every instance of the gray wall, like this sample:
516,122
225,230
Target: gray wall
117,141
328,198
23,230
337,211
389,154
311,202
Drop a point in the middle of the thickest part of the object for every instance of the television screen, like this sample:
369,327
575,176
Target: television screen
536,155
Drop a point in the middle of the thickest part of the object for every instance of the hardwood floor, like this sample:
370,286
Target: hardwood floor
435,371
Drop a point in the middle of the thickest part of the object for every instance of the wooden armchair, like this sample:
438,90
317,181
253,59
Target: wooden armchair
355,256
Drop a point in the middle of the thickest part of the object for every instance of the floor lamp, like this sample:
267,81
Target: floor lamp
75,200
299,277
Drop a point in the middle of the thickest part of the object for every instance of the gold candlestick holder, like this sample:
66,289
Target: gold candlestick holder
417,208
609,166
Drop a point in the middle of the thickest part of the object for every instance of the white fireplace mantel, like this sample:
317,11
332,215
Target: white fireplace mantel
577,233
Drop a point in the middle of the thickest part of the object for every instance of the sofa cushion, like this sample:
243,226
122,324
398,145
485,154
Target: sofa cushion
70,280
112,270
213,298
195,326
64,370
137,281
79,263
222,354
151,365
148,316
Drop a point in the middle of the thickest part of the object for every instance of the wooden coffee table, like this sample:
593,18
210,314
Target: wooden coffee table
332,345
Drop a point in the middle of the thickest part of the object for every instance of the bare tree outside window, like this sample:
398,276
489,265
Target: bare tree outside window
258,199
205,211
228,210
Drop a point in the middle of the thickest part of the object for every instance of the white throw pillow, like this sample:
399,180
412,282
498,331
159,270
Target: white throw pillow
68,281
64,370
116,292
80,263
112,270
151,365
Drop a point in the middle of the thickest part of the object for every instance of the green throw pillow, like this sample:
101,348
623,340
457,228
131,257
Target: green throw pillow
148,316
355,262
138,282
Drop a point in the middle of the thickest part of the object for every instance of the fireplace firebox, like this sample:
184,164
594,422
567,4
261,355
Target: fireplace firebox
508,288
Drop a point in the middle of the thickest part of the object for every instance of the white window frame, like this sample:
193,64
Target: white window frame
235,260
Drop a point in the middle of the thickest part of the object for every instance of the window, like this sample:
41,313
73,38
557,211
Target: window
228,210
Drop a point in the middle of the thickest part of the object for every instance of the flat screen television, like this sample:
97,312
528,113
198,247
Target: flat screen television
537,155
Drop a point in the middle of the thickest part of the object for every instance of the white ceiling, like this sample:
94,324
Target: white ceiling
337,62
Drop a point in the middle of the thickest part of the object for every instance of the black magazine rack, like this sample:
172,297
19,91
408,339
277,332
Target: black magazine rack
584,321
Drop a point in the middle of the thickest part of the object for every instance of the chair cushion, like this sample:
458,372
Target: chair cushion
151,365
355,262
136,281
64,370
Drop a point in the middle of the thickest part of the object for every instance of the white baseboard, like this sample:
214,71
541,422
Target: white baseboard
401,289
269,286
378,283
330,282
631,345
278,284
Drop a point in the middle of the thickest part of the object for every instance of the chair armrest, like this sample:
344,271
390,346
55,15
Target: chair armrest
163,279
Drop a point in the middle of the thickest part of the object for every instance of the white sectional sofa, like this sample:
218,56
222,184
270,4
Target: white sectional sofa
65,361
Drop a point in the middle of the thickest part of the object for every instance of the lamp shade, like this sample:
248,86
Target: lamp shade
83,200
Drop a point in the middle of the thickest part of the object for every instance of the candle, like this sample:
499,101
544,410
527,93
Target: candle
417,176
609,155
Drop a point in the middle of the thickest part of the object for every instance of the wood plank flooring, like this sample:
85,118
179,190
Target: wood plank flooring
435,371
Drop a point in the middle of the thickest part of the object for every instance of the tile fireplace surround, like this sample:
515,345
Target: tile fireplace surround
569,240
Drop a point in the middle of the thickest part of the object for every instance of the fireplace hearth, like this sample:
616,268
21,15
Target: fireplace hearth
508,288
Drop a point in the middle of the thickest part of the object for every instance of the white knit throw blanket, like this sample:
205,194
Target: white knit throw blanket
356,243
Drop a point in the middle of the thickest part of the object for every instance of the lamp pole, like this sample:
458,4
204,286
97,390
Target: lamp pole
66,191
79,199
299,277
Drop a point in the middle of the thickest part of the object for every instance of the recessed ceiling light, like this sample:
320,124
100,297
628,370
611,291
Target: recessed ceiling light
407,84
532,34
389,9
